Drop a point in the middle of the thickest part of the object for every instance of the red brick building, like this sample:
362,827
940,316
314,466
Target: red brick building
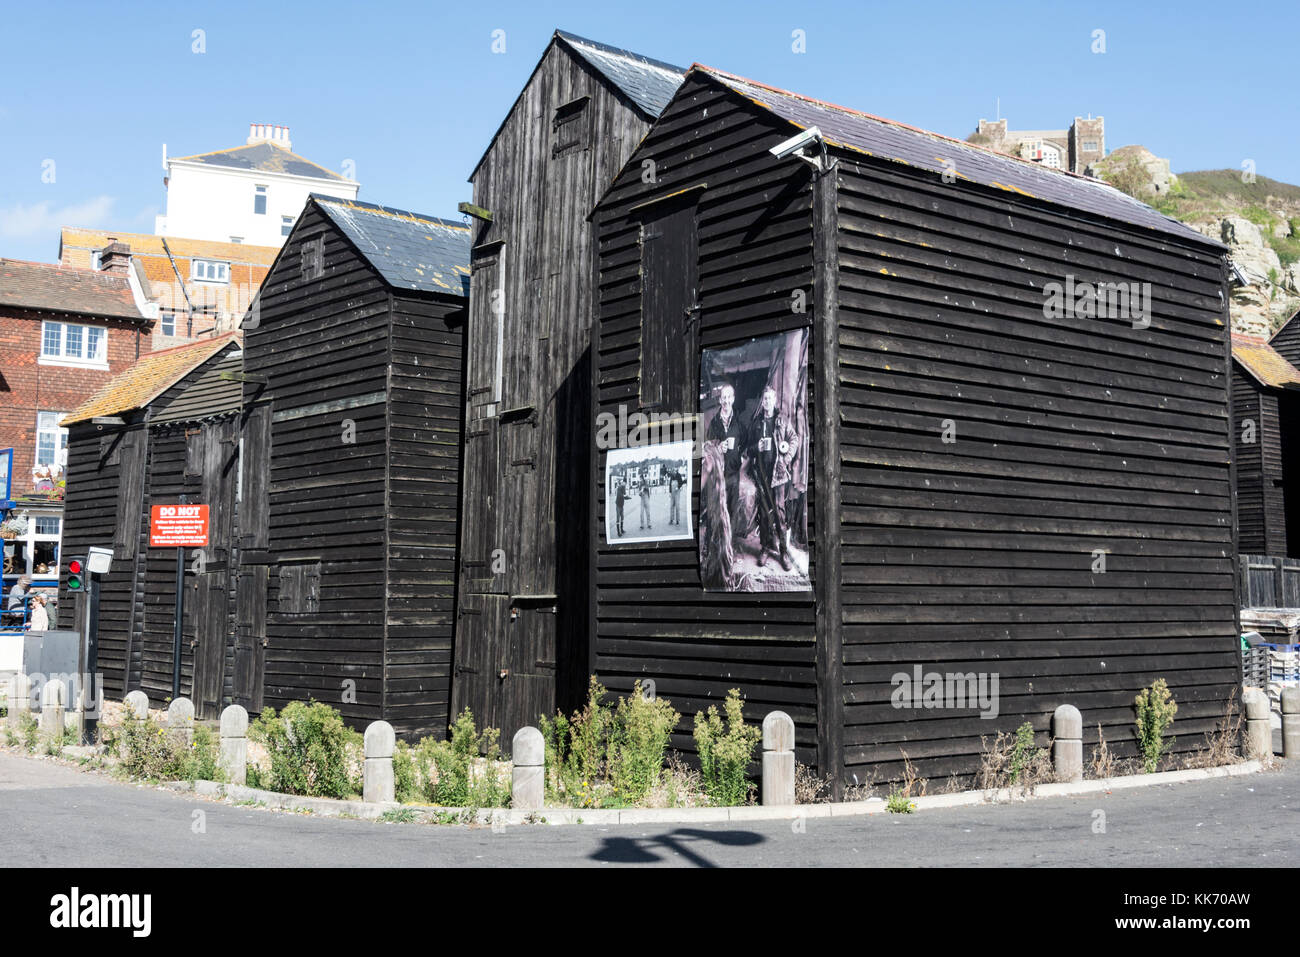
64,332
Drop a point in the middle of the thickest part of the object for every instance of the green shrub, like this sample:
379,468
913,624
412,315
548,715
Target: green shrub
148,750
726,750
899,803
452,773
638,743
1155,713
29,730
406,788
311,750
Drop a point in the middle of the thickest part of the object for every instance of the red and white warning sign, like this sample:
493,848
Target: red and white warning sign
178,526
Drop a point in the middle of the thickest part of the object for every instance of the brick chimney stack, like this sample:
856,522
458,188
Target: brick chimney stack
264,133
115,258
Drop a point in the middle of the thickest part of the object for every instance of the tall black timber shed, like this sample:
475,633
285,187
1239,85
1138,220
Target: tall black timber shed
1078,440
521,645
167,432
353,398
1266,430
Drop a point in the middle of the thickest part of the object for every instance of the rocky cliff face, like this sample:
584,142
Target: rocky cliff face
1273,292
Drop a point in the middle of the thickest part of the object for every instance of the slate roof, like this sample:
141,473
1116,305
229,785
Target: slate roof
650,84
899,143
409,250
52,288
266,157
149,378
1264,363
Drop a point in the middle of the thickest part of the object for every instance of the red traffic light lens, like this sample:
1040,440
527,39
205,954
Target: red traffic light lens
74,567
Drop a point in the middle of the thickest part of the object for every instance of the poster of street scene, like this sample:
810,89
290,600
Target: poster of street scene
754,465
648,493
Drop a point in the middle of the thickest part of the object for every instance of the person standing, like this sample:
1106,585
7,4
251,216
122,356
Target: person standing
40,619
674,494
726,429
645,505
772,446
620,499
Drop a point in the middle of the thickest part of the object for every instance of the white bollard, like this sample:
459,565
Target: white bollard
180,719
528,779
234,743
778,760
380,742
1067,743
1291,722
137,702
52,706
20,700
1259,725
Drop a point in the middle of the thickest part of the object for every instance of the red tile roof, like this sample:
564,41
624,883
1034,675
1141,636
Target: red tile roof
52,288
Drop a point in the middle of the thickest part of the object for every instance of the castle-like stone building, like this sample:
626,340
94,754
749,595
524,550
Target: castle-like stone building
1073,149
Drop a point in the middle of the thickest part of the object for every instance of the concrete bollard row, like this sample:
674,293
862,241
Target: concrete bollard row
1259,725
20,700
233,754
1291,722
1067,743
528,777
778,760
137,702
379,784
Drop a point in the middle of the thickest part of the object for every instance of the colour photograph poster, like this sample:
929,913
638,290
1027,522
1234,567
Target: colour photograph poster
754,465
648,493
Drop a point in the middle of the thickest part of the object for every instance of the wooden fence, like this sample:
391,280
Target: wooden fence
1269,581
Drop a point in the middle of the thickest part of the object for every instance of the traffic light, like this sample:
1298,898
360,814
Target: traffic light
76,580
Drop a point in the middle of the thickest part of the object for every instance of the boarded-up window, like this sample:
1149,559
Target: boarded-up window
487,298
669,308
194,452
313,259
299,588
570,127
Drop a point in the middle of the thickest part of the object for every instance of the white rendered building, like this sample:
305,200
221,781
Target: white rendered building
248,194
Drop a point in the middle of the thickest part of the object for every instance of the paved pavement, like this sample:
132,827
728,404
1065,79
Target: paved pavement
53,815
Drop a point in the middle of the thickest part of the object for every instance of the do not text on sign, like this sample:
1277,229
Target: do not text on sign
178,526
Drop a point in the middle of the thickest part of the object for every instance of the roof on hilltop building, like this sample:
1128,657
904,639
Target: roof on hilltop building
265,158
149,378
650,84
899,143
50,287
1264,363
410,251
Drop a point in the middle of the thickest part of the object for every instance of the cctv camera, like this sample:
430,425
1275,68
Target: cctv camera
796,143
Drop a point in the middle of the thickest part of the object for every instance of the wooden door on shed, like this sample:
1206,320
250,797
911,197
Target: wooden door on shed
250,637
528,666
476,677
212,607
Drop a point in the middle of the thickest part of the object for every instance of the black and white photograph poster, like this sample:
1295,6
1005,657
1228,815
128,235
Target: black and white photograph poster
648,493
754,465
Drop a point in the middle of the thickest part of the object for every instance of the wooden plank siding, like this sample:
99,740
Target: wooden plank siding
528,357
652,619
363,390
1252,523
1073,436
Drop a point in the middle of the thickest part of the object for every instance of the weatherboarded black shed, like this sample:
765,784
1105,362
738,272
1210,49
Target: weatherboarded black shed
353,396
1266,430
163,432
521,646
1018,470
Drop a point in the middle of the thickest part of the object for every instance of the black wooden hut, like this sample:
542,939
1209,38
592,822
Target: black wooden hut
1005,480
353,397
524,591
1266,431
163,432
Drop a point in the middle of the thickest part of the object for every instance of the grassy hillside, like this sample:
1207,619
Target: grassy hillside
1213,194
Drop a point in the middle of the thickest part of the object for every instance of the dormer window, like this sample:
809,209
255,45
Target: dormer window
259,200
209,270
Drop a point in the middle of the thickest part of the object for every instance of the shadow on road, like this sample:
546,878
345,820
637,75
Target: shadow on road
643,850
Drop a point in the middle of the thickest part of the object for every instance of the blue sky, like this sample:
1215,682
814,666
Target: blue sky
412,92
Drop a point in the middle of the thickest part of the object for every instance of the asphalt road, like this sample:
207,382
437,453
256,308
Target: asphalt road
53,815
